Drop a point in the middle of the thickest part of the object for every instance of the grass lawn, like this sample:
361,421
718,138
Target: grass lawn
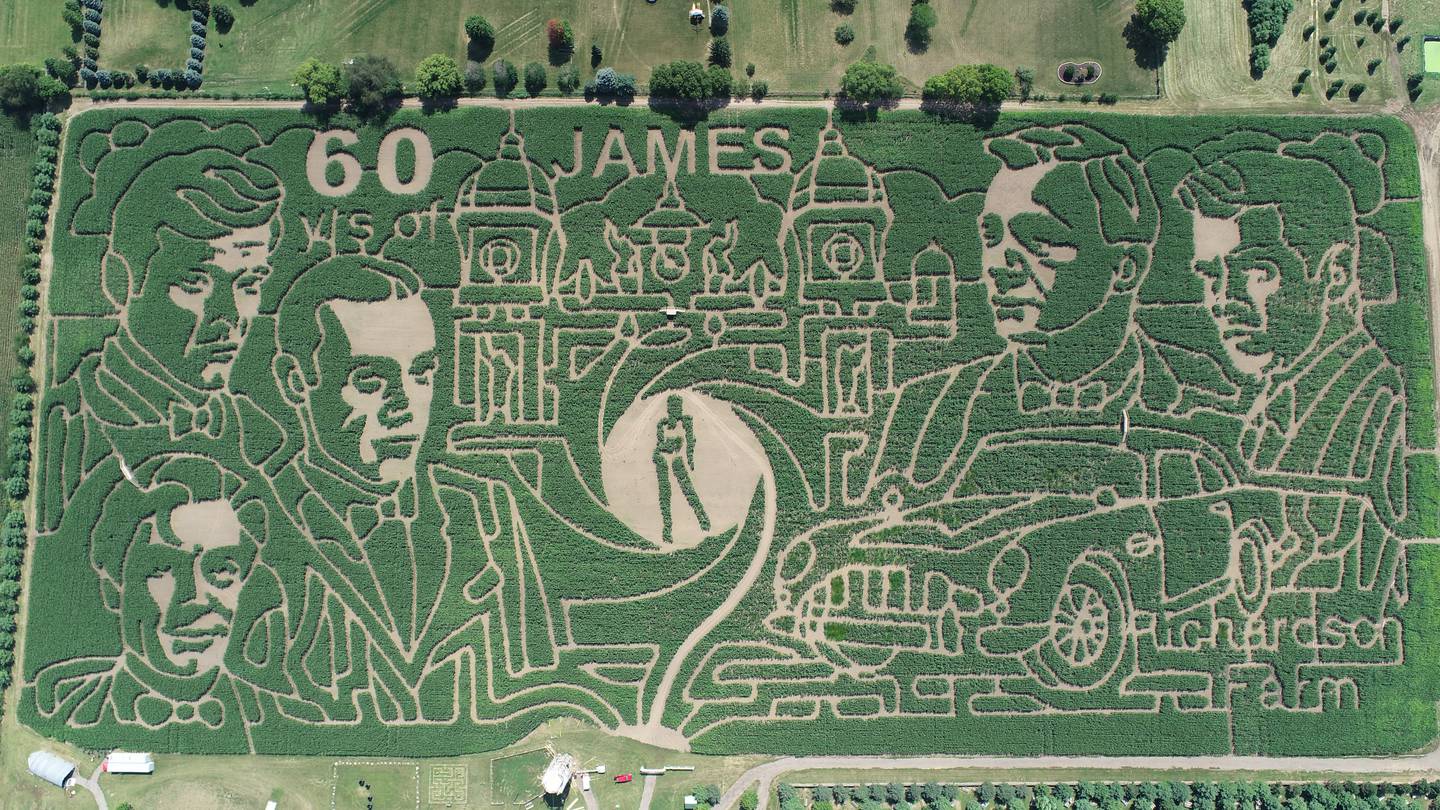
800,45
515,779
145,32
1422,19
791,42
31,30
361,785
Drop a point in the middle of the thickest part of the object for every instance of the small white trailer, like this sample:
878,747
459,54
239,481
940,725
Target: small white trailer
129,762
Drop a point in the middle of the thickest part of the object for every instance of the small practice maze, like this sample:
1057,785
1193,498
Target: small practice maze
448,786
776,433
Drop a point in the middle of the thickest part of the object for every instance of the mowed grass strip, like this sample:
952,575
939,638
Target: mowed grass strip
1209,66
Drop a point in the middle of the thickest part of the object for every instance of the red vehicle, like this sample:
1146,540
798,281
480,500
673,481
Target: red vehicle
622,778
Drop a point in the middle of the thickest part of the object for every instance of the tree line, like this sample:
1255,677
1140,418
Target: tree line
1170,795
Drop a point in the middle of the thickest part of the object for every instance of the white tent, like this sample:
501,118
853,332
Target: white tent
557,777
52,769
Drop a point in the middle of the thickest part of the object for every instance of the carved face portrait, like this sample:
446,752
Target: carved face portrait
173,551
188,275
357,363
200,299
1265,267
182,580
376,382
1240,282
1066,225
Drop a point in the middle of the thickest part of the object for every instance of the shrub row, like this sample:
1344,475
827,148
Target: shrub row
1231,795
84,18
1267,22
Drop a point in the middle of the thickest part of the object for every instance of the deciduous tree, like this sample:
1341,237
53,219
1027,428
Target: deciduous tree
970,84
480,31
371,84
321,82
1160,20
438,77
870,83
917,30
19,87
505,77
558,33
689,81
535,79
568,79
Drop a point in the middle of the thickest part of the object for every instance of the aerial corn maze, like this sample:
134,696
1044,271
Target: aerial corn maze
776,432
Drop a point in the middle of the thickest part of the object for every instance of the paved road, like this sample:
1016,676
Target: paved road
93,785
591,803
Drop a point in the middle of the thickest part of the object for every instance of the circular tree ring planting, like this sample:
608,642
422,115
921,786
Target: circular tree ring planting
1078,73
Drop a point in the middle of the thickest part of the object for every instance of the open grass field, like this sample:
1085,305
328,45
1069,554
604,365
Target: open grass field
1422,20
366,784
784,433
797,43
515,779
791,42
31,30
1209,65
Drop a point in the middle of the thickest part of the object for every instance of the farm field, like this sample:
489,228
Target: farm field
17,156
784,433
790,41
